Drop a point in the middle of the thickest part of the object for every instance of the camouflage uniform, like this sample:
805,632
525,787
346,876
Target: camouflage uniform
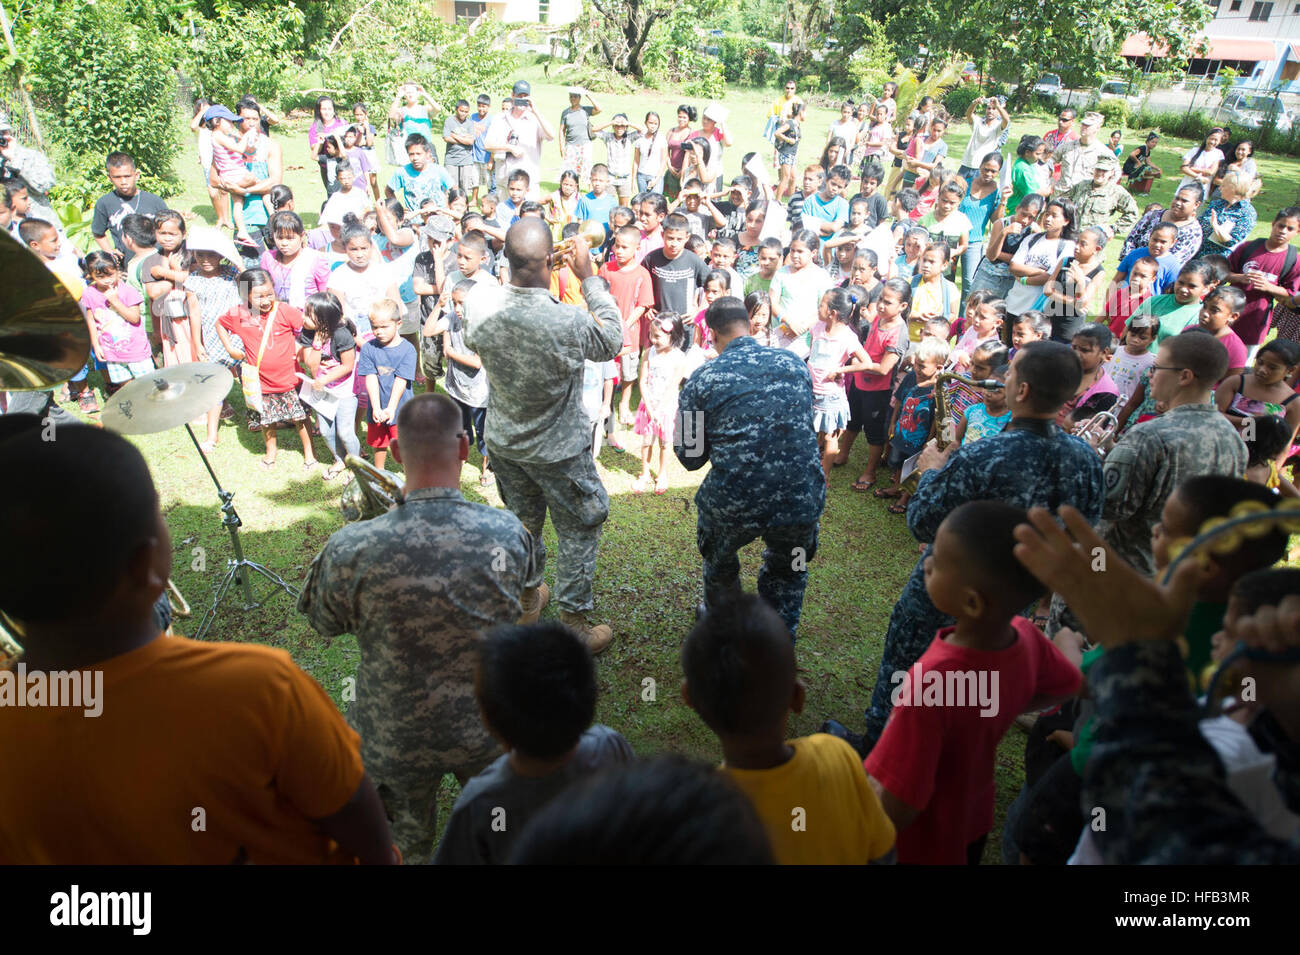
538,436
1095,205
749,411
1077,163
1158,779
417,587
1035,466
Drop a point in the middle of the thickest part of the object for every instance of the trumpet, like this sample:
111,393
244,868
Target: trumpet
591,230
1099,431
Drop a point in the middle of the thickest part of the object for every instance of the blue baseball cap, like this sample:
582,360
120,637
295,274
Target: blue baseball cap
219,112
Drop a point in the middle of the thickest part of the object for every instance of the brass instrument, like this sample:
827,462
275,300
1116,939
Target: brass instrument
945,431
591,230
44,338
1099,431
370,492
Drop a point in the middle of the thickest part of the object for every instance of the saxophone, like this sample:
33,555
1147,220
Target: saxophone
945,432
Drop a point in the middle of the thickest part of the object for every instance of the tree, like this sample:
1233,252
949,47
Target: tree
628,27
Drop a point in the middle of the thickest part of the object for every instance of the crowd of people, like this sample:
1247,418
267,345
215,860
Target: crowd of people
756,323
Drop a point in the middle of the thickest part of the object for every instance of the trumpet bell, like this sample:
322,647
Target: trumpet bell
44,339
591,230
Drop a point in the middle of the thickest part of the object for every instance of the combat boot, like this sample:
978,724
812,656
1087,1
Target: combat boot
597,638
532,603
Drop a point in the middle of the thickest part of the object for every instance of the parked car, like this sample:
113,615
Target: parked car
1119,89
1049,84
1254,111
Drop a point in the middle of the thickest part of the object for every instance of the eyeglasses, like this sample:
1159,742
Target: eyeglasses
1167,368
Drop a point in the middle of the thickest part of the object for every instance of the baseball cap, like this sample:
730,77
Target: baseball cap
521,89
742,181
575,90
219,112
485,99
1093,119
439,228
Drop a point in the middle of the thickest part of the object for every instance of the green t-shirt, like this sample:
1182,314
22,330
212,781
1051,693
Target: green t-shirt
1173,318
1024,180
756,283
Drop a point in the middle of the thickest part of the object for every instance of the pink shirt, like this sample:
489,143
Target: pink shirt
119,341
649,244
1236,349
880,341
308,274
829,351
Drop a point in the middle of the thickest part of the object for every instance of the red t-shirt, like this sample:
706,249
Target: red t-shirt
940,758
632,288
877,343
1252,326
1237,353
277,372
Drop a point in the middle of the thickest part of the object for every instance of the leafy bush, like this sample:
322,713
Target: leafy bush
959,98
742,57
1117,112
104,83
241,51
671,57
1196,125
873,59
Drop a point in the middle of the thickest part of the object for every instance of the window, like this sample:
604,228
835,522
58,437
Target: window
1234,6
469,10
1261,12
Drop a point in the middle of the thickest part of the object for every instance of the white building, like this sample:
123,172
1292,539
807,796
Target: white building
512,11
1260,40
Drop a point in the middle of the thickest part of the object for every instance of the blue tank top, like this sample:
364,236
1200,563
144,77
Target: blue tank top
981,424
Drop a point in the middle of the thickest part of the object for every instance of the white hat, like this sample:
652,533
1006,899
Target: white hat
716,112
1092,119
208,239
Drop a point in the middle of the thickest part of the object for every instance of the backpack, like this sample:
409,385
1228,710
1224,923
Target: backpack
1255,246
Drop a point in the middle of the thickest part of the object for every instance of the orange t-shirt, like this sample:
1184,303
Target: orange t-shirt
235,730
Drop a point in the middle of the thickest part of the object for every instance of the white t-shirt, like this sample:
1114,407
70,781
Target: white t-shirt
983,140
649,149
356,201
526,133
847,132
359,290
796,296
1039,252
1207,161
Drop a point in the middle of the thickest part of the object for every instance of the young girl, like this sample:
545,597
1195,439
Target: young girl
1175,310
650,157
112,308
834,340
366,143
358,157
325,121
661,377
212,283
1265,390
561,207
984,324
929,194
913,420
1271,444
796,291
885,344
1032,326
986,417
296,270
873,141
1096,391
1200,163
759,307
715,286
330,358
933,296
179,326
332,158
1005,236
1127,365
261,334
1219,310
909,260
906,138
1040,256
364,277
1075,286
835,154
788,133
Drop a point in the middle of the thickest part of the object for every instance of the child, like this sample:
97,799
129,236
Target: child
1071,294
699,247
1127,365
140,239
885,344
633,290
1096,391
661,377
1219,310
359,158
211,283
863,275
1267,271
561,207
1176,310
422,178
536,692
620,217
987,417
598,379
1032,326
467,382
348,197
297,271
843,249
715,286
1272,442
366,144
759,307
812,183
739,675
364,277
688,203
913,420
986,316
933,296
834,340
934,765
229,151
796,292
1123,301
787,136
677,274
909,260
877,208
388,364
945,222
112,309
770,254
597,205
261,333
1159,247
164,272
329,357
722,257
1266,390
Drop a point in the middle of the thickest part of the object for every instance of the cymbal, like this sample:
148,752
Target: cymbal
166,398
43,335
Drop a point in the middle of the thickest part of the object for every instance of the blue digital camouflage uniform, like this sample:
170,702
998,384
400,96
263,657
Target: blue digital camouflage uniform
749,412
534,351
1159,781
1021,467
418,587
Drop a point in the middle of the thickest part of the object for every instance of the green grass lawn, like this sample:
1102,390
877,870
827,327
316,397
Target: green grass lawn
648,570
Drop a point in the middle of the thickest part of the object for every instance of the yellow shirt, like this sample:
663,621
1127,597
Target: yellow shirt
819,809
781,106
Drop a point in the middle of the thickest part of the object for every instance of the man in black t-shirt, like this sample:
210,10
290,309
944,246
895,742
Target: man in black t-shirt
676,274
125,199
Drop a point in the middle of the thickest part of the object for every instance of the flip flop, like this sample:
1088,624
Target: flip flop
885,493
266,465
897,508
861,485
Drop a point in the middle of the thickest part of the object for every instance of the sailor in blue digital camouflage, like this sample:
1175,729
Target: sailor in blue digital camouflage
418,587
1033,463
534,351
749,413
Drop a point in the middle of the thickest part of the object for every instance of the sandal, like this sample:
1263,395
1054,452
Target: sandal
310,465
886,493
861,485
266,465
661,485
333,471
897,508
207,447
639,485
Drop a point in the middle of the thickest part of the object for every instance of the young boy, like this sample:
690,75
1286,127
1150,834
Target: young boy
420,179
877,207
945,222
677,274
650,214
688,203
596,205
1267,271
536,692
722,257
467,383
770,252
388,364
348,198
740,677
508,211
633,290
139,236
827,209
1126,366
1219,312
619,217
913,419
1158,247
728,215
47,244
1122,301
1097,392
933,767
812,182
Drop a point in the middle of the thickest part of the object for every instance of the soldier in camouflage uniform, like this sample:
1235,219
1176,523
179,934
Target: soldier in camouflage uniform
749,412
1099,200
534,351
417,587
1033,463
